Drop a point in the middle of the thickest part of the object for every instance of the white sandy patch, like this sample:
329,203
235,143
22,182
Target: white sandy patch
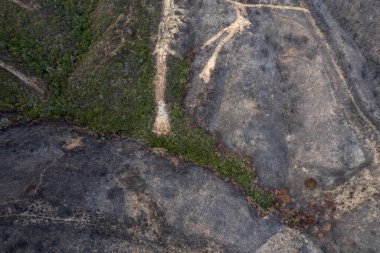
240,24
169,25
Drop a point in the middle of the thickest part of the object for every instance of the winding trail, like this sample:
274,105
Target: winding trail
238,26
34,83
28,6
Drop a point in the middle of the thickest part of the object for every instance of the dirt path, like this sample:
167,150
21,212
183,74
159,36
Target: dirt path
238,26
271,6
168,27
31,6
34,83
134,199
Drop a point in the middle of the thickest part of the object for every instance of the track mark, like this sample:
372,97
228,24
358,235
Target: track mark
32,82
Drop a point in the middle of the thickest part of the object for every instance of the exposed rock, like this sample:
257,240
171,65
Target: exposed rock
361,20
357,59
278,95
296,91
29,5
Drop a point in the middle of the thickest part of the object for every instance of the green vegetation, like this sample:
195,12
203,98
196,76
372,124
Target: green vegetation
49,42
99,68
14,96
114,93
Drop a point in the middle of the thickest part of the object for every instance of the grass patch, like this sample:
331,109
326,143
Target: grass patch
114,93
48,42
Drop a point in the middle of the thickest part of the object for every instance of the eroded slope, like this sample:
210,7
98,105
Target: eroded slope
278,95
110,195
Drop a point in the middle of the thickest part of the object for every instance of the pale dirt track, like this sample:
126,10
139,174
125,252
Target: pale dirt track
28,6
32,82
170,22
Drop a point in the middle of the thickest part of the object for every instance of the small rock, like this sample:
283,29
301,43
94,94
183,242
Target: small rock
283,196
326,228
73,143
4,122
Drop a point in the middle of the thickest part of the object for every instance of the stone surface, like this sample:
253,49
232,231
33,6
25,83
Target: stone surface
111,195
346,27
279,95
358,231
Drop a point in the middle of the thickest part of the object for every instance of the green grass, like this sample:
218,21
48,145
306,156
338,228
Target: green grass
114,94
109,94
